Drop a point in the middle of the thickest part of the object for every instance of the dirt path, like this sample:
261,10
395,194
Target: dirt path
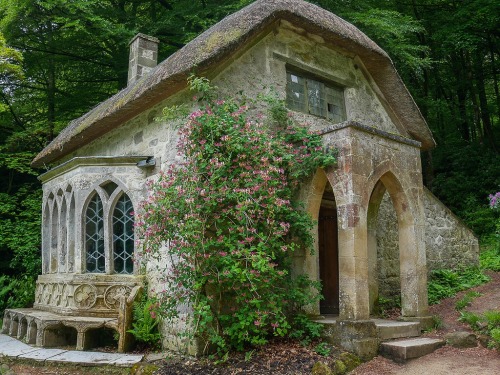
448,360
444,361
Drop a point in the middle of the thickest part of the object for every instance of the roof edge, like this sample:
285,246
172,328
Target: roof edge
218,43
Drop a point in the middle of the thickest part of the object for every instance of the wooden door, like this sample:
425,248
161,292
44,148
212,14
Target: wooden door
328,260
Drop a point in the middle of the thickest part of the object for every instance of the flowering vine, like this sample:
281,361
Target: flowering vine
227,221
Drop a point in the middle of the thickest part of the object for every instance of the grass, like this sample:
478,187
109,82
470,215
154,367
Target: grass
487,324
466,300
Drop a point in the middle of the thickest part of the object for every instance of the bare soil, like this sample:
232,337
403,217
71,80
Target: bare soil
278,357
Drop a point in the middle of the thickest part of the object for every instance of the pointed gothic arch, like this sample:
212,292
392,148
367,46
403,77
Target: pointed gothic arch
407,237
122,234
94,243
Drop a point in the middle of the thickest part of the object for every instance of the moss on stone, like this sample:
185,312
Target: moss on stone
350,360
321,368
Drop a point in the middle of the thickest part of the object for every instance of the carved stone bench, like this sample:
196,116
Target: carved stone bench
49,329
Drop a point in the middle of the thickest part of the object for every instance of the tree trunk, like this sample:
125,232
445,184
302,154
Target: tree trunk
483,101
494,74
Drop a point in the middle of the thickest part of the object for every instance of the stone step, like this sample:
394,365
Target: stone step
402,350
390,329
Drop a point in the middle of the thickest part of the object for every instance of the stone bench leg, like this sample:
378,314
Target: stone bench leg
81,339
31,334
14,326
39,334
6,322
22,328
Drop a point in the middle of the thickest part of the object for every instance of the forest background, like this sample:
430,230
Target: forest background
59,58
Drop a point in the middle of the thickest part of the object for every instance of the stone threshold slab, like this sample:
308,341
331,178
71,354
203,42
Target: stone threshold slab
96,358
403,350
13,348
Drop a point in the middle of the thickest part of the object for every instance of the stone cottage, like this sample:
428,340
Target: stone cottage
378,232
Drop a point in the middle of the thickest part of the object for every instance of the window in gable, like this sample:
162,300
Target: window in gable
317,98
94,236
123,236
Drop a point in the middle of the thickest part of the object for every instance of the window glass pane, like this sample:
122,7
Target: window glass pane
295,95
94,236
335,104
316,98
123,236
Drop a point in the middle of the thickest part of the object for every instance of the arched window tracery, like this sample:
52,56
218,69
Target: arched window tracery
94,236
109,231
123,236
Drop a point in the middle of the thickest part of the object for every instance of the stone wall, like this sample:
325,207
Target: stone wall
449,243
389,285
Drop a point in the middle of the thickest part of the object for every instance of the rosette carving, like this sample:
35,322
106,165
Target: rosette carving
114,293
85,296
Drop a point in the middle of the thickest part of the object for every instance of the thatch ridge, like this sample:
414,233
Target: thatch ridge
219,42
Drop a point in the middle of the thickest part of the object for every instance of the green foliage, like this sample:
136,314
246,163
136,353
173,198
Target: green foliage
457,183
447,283
228,218
305,330
487,323
145,323
470,318
437,322
17,291
466,300
323,349
495,336
20,218
10,61
489,258
384,305
396,32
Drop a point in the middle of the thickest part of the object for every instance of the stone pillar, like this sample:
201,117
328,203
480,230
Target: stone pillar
143,57
413,262
353,263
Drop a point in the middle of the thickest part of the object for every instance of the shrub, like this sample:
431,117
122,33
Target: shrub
446,283
228,223
16,292
305,330
145,323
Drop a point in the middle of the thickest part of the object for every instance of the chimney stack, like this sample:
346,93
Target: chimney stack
143,57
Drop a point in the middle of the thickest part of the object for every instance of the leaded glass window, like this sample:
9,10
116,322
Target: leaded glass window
123,236
314,97
94,236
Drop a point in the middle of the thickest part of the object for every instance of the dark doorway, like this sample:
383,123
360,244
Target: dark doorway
328,259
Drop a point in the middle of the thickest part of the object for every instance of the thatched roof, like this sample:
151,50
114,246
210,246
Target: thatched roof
215,46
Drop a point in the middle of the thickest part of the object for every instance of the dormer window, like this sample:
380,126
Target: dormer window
317,98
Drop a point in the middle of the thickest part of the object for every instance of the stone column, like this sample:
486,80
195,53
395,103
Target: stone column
413,261
353,262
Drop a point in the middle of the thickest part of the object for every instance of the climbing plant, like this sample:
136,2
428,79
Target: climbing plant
225,222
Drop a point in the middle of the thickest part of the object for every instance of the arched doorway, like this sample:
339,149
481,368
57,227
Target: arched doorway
383,254
328,251
403,238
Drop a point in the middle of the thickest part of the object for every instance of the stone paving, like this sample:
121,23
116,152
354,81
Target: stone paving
12,348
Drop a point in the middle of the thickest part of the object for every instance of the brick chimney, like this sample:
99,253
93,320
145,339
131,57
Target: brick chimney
143,57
